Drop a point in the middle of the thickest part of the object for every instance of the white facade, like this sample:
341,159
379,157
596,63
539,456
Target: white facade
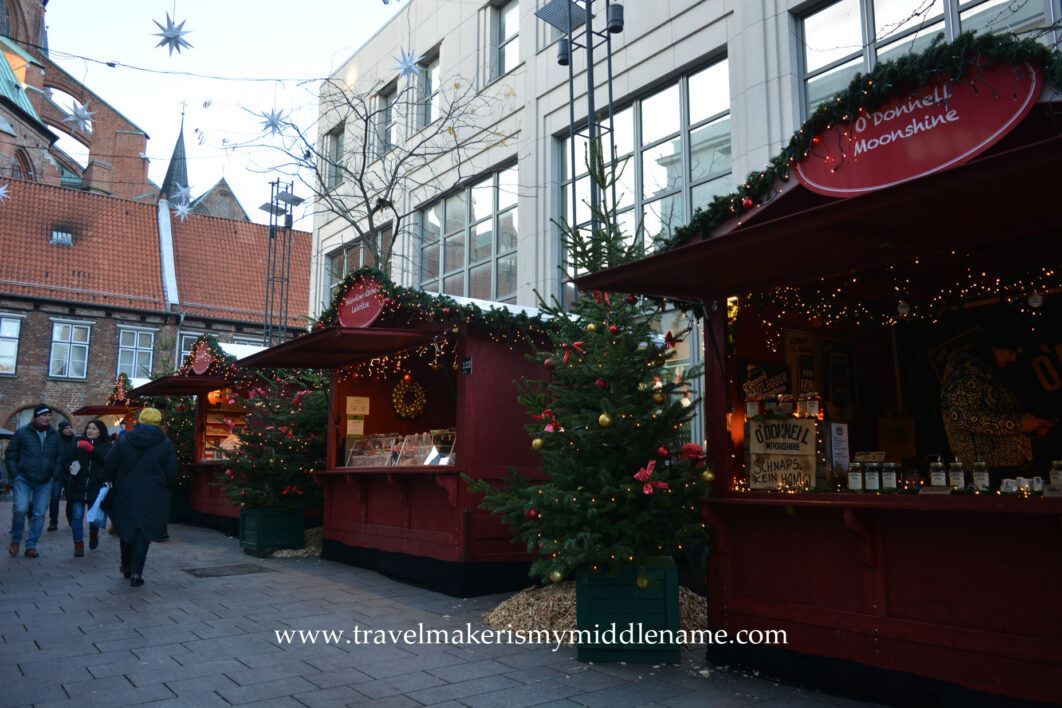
771,58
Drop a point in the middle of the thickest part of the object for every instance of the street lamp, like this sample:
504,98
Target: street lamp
278,262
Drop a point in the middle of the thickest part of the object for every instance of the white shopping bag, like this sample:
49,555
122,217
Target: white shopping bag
95,515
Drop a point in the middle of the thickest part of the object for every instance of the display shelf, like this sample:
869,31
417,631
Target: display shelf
843,500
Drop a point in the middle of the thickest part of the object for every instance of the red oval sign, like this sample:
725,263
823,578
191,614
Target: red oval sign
362,304
943,124
201,359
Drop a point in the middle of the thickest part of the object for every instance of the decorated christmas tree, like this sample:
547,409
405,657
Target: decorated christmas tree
282,444
622,476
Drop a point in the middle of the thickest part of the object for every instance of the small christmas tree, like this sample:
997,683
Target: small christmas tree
281,446
622,476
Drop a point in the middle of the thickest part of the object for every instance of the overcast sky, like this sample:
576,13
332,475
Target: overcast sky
240,48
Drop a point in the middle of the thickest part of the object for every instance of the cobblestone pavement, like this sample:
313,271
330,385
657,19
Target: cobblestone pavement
74,633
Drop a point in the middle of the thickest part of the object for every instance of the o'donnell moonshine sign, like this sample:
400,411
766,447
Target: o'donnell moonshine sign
942,124
781,453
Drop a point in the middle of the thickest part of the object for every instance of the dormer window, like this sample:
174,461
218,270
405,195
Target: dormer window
62,238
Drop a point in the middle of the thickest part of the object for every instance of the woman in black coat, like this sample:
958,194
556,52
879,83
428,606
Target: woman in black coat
85,479
142,467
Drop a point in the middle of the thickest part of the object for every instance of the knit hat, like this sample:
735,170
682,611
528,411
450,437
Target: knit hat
150,416
65,424
41,409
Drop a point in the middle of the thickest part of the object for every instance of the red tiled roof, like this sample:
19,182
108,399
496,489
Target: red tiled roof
114,259
221,269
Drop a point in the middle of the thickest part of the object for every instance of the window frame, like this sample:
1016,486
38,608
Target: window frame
71,344
182,335
499,42
387,120
343,254
17,319
429,95
498,211
334,146
136,350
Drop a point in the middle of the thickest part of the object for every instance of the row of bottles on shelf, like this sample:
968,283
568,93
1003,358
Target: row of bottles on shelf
784,405
874,477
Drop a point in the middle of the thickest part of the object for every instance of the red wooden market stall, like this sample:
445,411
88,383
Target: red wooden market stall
209,374
422,393
858,269
120,409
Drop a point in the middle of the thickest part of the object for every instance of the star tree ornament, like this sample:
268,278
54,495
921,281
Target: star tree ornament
4,195
172,35
272,122
80,116
408,64
183,210
182,193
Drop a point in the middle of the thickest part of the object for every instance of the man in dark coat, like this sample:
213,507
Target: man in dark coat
32,461
142,467
67,444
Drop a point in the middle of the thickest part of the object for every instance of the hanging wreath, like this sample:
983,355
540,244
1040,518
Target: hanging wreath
409,399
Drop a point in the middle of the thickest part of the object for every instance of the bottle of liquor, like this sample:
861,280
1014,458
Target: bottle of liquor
980,476
1056,473
956,475
872,477
855,477
889,474
937,476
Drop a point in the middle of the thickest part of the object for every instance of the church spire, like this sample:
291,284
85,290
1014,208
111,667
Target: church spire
177,172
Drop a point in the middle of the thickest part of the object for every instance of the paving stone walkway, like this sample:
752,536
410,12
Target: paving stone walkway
74,633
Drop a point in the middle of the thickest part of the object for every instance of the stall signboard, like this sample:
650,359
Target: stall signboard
201,359
782,453
942,124
362,304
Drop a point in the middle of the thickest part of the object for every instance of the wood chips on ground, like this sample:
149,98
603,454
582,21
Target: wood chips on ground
552,608
313,541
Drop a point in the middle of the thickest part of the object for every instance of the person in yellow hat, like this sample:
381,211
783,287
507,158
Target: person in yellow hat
142,468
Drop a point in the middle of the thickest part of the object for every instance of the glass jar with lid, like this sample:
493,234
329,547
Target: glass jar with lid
752,406
889,475
1056,473
786,404
956,475
937,476
980,475
872,477
813,405
855,477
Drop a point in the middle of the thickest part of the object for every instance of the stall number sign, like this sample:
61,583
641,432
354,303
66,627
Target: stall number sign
781,453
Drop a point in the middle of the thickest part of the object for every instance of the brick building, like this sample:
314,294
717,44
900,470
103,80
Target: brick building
98,274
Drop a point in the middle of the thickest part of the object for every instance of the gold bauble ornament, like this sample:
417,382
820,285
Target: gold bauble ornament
708,476
537,444
604,420
659,398
591,328
555,576
643,581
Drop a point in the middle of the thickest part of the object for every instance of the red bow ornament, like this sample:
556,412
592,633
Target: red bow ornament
669,341
577,346
644,474
553,426
598,295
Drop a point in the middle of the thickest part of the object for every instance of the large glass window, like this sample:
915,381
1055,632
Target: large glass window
507,38
429,109
849,36
468,240
672,151
70,347
9,329
351,257
185,340
332,170
135,350
387,121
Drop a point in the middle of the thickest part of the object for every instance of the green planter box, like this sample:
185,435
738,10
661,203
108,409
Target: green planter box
180,504
624,616
264,530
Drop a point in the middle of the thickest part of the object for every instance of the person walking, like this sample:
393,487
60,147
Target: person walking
32,461
142,467
84,470
66,445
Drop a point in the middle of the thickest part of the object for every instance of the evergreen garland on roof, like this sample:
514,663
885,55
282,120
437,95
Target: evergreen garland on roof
431,307
222,365
868,92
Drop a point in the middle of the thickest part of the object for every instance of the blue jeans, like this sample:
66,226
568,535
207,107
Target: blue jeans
25,492
77,521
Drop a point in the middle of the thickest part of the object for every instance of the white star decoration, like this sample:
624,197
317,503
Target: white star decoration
272,122
408,64
182,194
4,196
80,116
183,210
172,35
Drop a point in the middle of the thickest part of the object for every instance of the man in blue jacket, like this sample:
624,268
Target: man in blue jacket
32,460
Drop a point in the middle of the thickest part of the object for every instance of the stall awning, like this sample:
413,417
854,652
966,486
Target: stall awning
103,410
181,385
333,347
1000,204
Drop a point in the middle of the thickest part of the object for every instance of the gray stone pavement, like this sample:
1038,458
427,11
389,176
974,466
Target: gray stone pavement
74,633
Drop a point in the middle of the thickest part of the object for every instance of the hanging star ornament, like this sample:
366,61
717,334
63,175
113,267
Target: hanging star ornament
80,116
272,122
183,210
172,35
4,196
408,64
182,194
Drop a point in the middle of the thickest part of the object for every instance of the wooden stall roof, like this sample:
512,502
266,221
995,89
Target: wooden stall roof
181,385
332,347
1001,205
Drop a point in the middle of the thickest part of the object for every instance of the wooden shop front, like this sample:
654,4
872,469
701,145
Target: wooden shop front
220,390
417,402
860,290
